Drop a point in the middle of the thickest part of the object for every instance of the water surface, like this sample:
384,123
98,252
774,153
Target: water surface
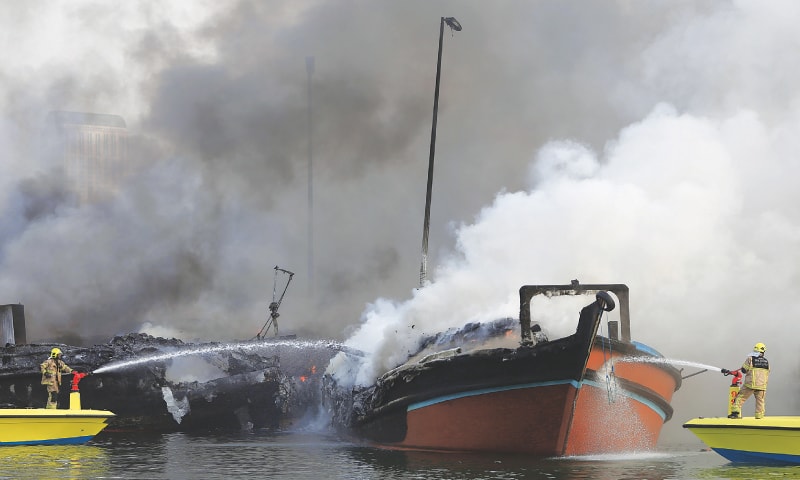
311,455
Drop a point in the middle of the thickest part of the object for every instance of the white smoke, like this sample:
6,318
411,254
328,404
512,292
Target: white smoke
668,209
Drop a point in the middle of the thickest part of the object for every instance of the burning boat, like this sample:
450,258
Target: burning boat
168,385
154,383
576,395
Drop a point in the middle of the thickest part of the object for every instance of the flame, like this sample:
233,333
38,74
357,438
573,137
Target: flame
304,378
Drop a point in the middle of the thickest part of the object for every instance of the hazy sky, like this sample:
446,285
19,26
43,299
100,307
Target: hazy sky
650,143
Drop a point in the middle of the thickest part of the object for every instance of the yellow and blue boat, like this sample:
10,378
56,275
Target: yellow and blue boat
53,426
751,440
43,426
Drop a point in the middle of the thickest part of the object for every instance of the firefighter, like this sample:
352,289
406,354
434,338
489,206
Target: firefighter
52,368
756,374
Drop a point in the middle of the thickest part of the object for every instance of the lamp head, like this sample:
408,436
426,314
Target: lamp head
453,23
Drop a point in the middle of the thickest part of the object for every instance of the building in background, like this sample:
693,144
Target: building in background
93,149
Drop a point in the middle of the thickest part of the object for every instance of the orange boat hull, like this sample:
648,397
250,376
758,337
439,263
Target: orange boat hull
520,420
575,395
600,425
554,418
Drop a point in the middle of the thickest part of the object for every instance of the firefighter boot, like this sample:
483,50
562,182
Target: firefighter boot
52,400
735,415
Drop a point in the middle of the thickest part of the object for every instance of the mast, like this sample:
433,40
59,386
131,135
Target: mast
423,269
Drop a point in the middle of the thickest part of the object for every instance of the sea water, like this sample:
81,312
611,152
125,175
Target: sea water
301,454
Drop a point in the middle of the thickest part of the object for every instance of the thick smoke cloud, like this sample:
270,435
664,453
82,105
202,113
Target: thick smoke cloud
653,144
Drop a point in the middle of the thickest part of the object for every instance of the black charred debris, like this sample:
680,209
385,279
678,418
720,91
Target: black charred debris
252,385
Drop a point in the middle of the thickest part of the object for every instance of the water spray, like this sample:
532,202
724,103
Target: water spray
670,361
246,346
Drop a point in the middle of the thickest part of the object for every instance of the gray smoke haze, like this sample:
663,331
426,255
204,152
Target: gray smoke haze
648,143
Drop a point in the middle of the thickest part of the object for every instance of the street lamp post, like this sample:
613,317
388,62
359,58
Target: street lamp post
454,25
310,72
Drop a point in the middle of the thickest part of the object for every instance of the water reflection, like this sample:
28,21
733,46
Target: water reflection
734,471
54,461
309,455
437,465
136,455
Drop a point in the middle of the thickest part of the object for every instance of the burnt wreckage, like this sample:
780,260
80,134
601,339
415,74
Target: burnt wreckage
167,385
258,384
153,383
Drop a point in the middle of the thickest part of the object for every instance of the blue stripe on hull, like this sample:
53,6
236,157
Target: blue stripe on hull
433,401
484,391
742,456
56,441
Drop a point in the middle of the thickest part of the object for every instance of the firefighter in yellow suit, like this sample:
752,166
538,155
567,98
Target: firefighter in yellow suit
52,368
756,375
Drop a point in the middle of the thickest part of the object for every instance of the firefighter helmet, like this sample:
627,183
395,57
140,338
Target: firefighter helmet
55,353
760,348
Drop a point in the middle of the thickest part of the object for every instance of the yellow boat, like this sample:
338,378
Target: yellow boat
751,440
43,426
52,426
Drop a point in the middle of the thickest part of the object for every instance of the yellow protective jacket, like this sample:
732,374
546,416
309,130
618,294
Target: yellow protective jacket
756,372
54,368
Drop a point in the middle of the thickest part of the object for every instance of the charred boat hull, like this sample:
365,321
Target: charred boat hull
251,388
